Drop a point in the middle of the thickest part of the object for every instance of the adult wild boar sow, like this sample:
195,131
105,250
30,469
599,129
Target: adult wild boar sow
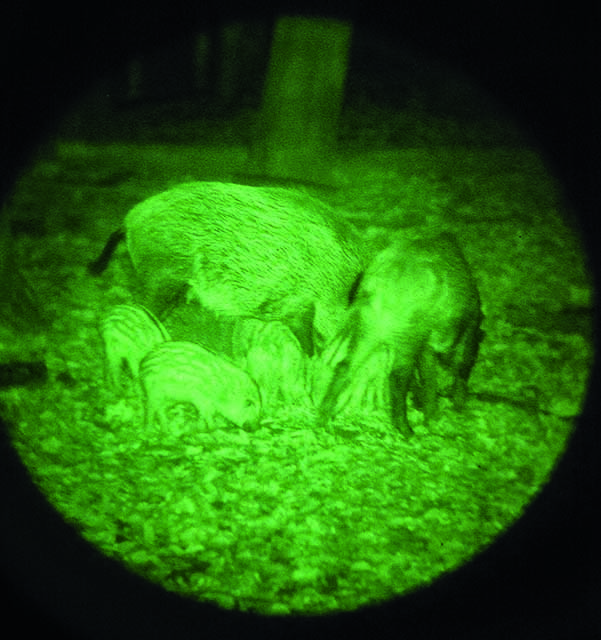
415,313
264,252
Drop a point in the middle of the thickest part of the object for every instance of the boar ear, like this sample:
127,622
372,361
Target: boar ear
352,293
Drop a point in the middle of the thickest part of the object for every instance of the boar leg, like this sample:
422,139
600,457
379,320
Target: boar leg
399,386
463,358
338,384
427,392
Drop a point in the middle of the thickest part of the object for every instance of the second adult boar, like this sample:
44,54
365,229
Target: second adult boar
415,315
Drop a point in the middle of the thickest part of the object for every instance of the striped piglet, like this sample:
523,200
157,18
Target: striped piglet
184,372
129,332
273,357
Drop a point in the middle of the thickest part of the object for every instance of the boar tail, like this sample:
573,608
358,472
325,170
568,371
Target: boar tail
98,266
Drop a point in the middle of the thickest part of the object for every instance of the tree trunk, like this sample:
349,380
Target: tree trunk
302,98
